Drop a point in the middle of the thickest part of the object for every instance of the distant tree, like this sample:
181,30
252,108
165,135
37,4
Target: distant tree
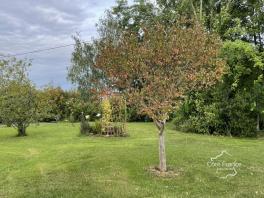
246,68
235,105
51,104
13,70
82,72
160,68
231,19
258,104
76,107
18,101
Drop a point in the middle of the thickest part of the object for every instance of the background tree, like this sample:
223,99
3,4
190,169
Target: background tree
82,72
77,106
90,79
52,104
161,68
233,106
18,101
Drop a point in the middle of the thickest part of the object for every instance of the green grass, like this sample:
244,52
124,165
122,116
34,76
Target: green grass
54,161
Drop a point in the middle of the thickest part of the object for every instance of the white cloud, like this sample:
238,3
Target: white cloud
52,14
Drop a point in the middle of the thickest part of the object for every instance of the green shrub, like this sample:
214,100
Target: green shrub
85,127
97,128
134,116
232,117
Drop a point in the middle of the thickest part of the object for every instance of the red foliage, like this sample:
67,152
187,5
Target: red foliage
161,68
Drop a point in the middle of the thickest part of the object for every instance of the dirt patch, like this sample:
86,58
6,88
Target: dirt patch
170,173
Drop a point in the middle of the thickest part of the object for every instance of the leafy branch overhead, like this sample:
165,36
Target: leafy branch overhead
163,66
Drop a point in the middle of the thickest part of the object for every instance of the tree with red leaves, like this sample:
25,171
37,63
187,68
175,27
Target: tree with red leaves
158,66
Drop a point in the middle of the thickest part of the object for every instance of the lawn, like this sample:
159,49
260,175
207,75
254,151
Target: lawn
54,161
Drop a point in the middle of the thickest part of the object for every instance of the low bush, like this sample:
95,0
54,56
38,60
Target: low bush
97,128
232,117
85,128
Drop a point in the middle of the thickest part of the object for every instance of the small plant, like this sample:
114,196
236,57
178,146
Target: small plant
85,128
97,128
106,115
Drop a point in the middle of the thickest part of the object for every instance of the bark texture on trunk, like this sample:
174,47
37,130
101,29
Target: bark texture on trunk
162,154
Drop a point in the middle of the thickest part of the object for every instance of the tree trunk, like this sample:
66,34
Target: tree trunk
162,154
258,122
21,130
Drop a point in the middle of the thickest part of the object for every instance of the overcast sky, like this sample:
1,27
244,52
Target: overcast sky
27,25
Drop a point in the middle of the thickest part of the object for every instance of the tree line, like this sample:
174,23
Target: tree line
21,103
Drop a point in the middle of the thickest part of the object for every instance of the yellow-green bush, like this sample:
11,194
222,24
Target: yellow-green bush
106,114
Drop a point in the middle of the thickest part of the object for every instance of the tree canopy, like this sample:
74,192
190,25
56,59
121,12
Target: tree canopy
18,101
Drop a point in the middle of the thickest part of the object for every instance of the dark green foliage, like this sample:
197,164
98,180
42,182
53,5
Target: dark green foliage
241,120
134,116
197,114
85,127
233,106
207,114
55,104
76,106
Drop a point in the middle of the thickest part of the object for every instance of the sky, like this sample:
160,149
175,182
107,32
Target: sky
28,25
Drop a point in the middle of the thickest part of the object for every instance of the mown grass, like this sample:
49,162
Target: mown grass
54,161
